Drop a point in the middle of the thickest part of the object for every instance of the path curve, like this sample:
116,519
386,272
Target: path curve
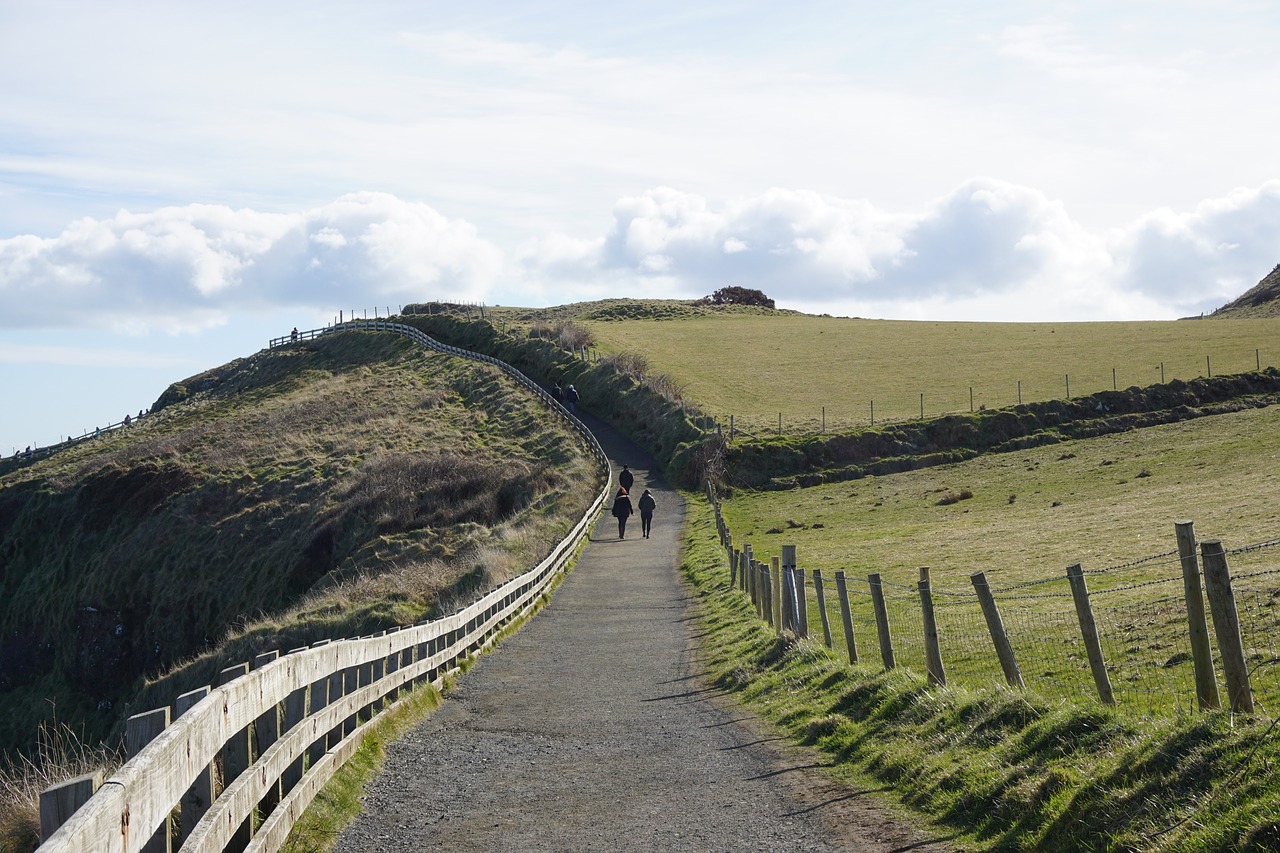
590,729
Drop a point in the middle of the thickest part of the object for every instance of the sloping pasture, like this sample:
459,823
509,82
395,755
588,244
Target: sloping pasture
1108,503
811,369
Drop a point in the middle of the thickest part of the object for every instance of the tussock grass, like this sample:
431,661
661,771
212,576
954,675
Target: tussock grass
60,755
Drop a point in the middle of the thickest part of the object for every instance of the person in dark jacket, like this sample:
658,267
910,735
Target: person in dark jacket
622,510
626,479
647,506
571,398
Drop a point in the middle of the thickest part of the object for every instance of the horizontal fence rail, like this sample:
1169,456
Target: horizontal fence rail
240,761
1188,632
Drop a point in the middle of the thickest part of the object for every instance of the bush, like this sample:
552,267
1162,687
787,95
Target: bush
739,296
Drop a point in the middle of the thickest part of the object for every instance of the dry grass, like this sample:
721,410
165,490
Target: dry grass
60,756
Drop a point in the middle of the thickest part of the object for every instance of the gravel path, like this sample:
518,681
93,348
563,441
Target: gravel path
591,730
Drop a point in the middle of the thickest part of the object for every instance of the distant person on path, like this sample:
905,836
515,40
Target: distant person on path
647,506
626,479
622,511
293,336
571,397
557,393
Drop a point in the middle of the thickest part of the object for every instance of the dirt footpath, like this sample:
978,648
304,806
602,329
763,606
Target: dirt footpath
590,729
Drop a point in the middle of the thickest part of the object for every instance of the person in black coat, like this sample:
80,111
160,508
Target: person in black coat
626,479
647,505
622,510
571,398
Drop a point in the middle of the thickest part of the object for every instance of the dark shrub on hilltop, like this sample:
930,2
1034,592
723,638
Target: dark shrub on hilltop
739,296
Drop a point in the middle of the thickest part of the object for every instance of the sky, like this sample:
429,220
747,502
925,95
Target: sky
181,181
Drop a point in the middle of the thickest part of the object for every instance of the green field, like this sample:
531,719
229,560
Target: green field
1109,503
757,366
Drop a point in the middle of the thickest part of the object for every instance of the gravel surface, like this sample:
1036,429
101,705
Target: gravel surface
590,729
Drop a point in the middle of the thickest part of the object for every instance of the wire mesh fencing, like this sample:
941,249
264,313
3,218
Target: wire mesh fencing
1156,636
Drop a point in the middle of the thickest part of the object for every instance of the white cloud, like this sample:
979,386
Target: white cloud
201,262
1200,259
989,249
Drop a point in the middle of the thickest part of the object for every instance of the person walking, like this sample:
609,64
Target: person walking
626,479
647,506
571,398
622,510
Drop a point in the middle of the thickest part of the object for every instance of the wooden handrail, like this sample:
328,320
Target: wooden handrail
129,808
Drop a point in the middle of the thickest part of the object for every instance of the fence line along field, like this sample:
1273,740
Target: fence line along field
807,368
1107,503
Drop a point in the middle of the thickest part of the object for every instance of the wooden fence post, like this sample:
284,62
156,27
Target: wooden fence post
59,802
236,758
790,617
235,754
733,568
295,709
140,730
1197,625
198,798
757,578
802,602
995,625
337,689
393,661
882,621
846,617
1226,624
266,731
822,607
775,592
932,649
319,697
1089,631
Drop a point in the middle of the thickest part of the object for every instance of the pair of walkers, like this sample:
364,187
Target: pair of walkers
622,508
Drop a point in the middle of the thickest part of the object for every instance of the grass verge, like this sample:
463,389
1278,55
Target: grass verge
1008,770
338,803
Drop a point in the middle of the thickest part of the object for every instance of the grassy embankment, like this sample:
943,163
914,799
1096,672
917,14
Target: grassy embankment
325,490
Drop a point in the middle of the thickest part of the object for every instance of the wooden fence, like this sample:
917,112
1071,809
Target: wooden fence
234,765
1146,644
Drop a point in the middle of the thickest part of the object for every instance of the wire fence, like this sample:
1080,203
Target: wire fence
1124,635
942,399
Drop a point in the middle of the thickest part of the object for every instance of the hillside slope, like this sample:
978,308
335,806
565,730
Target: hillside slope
1261,300
326,489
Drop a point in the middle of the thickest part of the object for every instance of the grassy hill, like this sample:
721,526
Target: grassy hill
1261,300
326,489
758,365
